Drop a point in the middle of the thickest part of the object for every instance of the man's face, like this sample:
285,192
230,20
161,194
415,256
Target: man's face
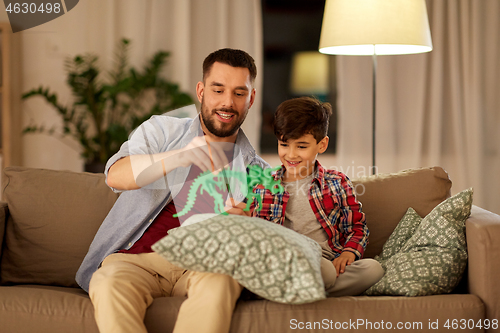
225,95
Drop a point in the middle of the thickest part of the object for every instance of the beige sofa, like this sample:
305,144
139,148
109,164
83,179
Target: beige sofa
49,218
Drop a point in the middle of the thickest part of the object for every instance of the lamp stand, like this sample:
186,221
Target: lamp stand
374,100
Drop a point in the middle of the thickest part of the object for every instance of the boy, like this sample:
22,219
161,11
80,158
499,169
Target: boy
317,202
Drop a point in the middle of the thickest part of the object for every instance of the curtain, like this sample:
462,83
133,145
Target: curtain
188,29
440,108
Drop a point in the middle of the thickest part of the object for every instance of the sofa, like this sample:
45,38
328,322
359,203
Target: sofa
48,219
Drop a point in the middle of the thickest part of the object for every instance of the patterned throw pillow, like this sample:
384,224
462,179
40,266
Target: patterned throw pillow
268,259
401,234
433,259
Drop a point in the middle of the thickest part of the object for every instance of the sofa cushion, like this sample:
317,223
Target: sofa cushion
386,197
433,259
268,259
52,309
34,308
54,216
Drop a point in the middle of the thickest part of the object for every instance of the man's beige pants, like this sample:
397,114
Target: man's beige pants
126,284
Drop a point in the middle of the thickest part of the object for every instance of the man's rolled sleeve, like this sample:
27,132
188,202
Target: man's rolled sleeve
147,139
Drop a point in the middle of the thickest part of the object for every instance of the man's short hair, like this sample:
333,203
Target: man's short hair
297,117
231,57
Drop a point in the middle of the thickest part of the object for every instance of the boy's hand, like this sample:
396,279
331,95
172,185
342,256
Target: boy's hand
236,208
345,259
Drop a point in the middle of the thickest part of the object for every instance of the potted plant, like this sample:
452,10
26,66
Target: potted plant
102,115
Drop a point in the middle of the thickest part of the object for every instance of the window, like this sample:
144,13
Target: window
290,26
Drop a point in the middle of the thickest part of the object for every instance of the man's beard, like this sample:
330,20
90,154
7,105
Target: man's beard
224,130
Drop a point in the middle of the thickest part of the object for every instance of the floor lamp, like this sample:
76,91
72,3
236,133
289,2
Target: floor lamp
375,27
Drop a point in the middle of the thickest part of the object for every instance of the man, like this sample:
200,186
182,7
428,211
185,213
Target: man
153,168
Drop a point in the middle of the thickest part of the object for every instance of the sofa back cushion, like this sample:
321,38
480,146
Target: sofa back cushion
53,218
386,197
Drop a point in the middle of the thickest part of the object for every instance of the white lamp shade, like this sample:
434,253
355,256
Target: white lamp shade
382,27
309,73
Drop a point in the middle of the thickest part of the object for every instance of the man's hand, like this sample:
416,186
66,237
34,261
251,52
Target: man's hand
236,208
206,155
345,259
136,171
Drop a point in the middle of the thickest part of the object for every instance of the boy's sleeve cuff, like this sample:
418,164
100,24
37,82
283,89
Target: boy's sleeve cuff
357,253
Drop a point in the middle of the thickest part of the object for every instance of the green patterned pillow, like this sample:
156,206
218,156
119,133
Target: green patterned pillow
433,259
401,234
268,259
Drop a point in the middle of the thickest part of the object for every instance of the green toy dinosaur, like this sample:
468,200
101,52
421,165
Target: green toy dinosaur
209,182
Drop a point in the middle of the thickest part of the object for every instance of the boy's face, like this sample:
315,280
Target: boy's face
299,156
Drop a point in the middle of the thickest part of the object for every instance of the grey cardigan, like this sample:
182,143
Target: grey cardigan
135,210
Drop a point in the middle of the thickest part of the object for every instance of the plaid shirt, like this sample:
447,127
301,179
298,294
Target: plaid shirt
333,202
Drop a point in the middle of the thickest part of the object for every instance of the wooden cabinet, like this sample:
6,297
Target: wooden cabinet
10,97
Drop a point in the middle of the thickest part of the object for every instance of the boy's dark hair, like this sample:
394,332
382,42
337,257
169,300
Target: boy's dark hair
300,116
231,57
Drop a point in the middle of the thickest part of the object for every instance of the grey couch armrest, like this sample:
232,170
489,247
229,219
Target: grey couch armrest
483,244
4,212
